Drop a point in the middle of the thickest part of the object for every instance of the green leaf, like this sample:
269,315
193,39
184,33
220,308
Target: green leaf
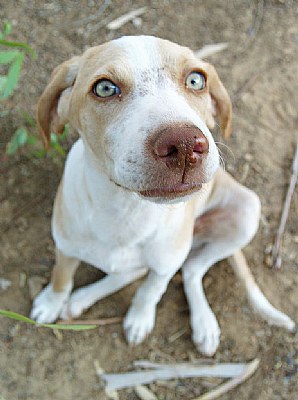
22,135
53,138
18,140
3,80
59,149
69,327
7,57
39,153
13,76
7,28
24,46
31,140
12,147
56,146
29,119
19,317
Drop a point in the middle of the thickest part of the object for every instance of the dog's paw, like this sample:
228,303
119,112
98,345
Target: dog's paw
206,333
76,304
138,323
48,305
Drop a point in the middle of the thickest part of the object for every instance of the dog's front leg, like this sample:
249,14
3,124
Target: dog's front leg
50,301
140,318
84,297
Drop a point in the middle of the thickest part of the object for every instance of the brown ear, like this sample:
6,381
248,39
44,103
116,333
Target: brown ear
48,118
221,99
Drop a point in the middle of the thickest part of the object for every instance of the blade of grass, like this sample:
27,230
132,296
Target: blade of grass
232,383
7,57
19,139
19,317
2,83
29,119
16,316
21,45
73,327
7,28
13,76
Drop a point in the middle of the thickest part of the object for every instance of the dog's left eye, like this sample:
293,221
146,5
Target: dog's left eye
195,81
105,88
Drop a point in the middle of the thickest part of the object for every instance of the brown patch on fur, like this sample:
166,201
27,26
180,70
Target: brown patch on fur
221,98
178,64
80,73
205,224
63,271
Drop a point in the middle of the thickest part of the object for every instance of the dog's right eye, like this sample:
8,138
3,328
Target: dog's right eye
105,88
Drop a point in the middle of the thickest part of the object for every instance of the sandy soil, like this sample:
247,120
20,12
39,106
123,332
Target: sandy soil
263,51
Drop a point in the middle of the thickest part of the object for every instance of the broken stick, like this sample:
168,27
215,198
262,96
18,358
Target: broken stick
276,258
230,384
99,322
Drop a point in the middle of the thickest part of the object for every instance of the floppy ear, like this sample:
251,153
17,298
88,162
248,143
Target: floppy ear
52,107
221,102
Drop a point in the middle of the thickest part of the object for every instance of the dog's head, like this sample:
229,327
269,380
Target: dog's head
143,106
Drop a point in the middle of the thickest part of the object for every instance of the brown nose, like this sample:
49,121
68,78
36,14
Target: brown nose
181,146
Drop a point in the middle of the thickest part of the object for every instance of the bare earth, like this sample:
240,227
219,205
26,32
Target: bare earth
263,51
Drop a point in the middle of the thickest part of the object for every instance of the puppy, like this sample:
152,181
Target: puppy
143,189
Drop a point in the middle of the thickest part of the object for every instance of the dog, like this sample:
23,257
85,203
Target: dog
143,189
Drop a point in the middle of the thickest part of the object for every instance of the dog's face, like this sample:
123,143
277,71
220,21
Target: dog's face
143,106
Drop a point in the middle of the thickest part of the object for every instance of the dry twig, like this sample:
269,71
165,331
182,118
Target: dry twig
151,365
210,49
134,378
99,322
276,258
144,393
94,17
118,22
256,26
177,335
227,386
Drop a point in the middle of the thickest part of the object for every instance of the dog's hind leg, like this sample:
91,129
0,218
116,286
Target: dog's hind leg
255,296
228,225
83,298
218,234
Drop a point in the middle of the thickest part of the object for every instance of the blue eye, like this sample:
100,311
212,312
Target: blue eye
105,88
195,81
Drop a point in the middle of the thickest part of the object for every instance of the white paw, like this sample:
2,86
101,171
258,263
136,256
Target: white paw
206,333
78,302
138,323
48,304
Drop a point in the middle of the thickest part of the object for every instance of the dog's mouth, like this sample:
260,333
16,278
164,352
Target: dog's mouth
173,191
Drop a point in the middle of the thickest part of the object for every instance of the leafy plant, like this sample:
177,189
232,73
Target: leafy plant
13,60
19,317
24,139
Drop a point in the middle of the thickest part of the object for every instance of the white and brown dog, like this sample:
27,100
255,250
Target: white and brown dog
142,188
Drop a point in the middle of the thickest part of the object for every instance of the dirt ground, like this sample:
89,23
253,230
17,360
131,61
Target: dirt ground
259,69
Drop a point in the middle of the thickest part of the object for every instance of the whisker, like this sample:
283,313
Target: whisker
227,147
222,162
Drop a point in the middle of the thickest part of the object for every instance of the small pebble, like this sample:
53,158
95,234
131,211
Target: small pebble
137,22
